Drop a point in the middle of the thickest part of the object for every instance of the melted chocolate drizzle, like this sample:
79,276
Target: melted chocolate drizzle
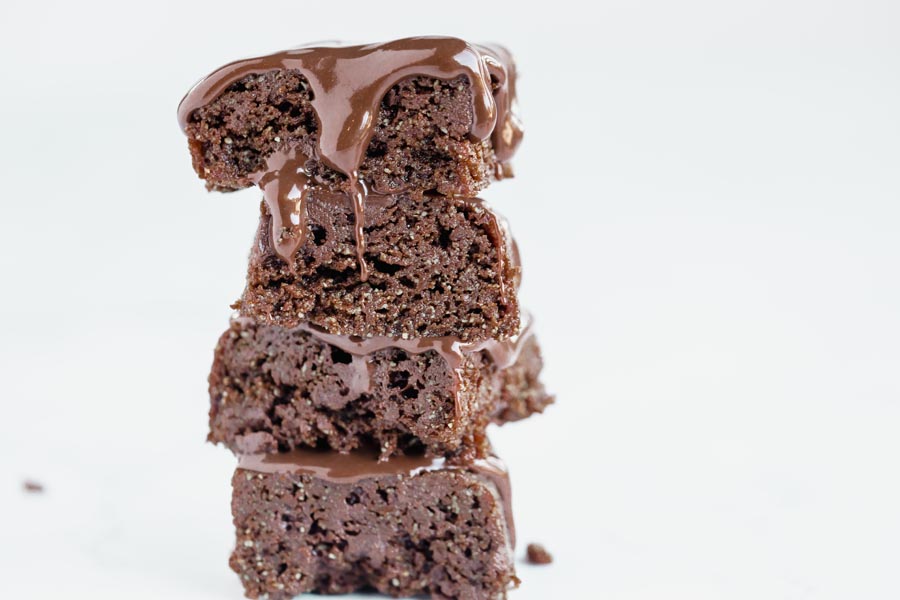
365,464
348,84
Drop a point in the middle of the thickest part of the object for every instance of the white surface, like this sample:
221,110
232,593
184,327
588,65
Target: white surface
715,278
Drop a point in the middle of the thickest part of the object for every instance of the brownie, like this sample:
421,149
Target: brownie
438,266
332,523
421,139
274,389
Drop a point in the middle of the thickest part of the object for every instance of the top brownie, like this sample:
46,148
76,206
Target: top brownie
425,114
420,142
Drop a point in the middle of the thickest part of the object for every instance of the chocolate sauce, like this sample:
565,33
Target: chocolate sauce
285,186
365,464
348,84
499,229
338,467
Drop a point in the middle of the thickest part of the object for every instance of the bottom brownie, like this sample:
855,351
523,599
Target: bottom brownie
314,521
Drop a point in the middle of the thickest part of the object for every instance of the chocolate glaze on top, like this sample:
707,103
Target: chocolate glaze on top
348,84
365,464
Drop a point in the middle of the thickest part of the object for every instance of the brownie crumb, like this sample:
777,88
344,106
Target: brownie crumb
538,555
32,487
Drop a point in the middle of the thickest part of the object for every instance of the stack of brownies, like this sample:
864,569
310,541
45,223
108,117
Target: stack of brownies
379,333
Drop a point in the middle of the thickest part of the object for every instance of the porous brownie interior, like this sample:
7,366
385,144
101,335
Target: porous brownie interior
440,533
275,389
438,267
421,140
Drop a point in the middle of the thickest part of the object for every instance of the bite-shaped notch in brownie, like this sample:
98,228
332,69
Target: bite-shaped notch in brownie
331,523
421,139
275,389
438,266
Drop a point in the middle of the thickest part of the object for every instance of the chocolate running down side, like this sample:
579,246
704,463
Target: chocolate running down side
348,84
365,464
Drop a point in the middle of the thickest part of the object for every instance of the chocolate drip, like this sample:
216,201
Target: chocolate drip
285,186
508,133
348,84
365,464
494,470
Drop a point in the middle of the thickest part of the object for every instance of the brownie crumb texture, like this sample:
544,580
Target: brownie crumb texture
538,555
438,267
275,389
440,534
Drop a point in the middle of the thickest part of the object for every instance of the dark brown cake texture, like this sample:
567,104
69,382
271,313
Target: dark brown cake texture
444,123
275,389
421,139
333,523
417,114
438,267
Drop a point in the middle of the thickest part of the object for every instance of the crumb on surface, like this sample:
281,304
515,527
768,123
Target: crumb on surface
32,487
538,555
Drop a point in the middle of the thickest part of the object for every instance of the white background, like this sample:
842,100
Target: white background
708,206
